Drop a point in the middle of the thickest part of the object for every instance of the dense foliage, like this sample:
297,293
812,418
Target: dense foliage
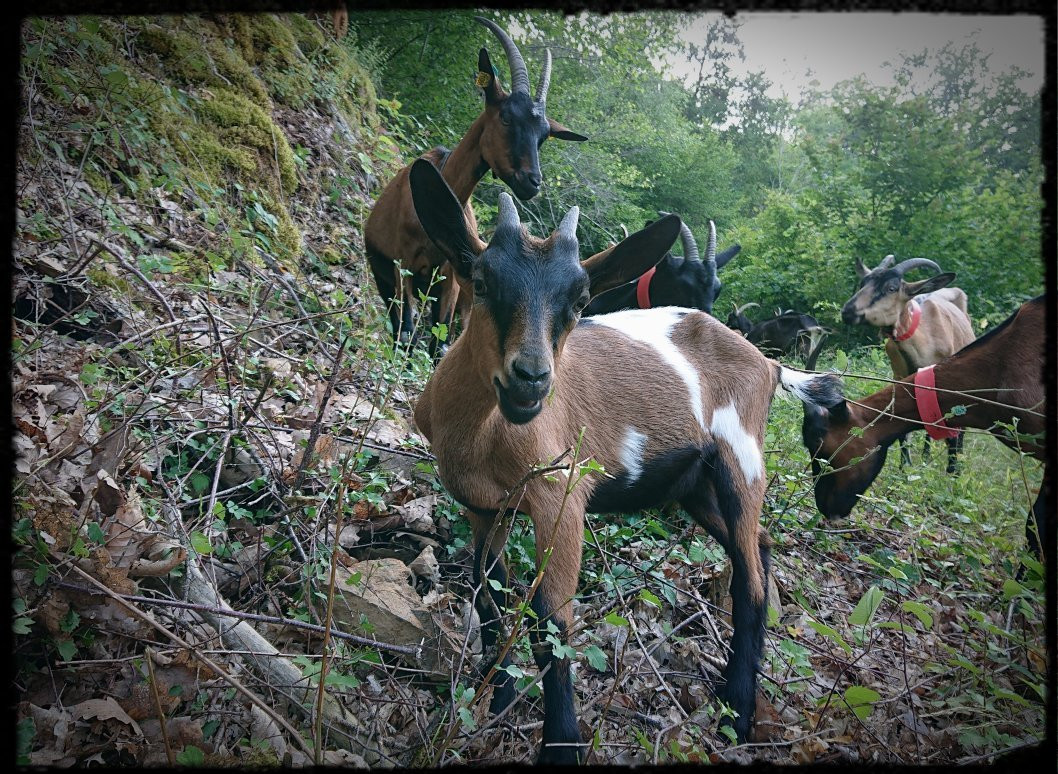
943,165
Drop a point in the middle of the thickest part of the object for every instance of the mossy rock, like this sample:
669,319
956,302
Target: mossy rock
246,125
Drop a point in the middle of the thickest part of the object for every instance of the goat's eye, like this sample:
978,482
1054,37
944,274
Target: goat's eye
580,303
892,288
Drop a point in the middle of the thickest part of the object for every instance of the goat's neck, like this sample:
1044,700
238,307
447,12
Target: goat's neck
887,414
465,165
621,297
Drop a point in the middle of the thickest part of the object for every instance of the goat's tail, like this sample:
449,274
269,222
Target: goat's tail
816,389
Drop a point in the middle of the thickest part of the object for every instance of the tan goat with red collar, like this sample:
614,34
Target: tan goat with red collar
669,401
924,321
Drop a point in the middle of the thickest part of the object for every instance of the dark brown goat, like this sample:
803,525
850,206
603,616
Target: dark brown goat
504,138
787,333
997,379
671,403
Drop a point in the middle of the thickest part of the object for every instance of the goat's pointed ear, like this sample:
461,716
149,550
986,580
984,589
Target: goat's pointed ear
727,255
441,216
487,80
929,284
559,132
631,257
861,270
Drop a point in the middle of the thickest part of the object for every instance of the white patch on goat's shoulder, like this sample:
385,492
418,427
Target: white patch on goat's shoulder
632,446
728,426
653,327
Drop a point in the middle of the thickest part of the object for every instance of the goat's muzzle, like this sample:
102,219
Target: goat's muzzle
522,398
850,316
525,184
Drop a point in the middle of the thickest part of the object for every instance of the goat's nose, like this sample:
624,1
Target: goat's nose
848,315
529,177
534,373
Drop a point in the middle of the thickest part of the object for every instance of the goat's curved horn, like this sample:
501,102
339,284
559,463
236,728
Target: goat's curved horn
519,75
508,216
624,230
710,247
567,229
905,266
861,268
545,79
744,307
886,262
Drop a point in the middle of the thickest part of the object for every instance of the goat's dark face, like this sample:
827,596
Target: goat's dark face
517,126
851,463
511,141
528,293
684,282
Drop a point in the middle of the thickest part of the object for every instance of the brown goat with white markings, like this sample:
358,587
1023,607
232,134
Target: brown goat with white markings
997,379
504,138
924,321
669,401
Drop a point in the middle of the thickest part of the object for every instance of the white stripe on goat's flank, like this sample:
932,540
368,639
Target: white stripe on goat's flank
728,426
632,446
652,327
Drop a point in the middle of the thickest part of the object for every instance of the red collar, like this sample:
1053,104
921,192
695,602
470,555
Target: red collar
643,288
929,406
916,317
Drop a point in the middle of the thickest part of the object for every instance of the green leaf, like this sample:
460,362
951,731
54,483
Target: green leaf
861,699
596,658
468,719
615,619
200,543
513,670
66,649
199,483
96,534
867,607
920,611
1011,589
22,625
190,756
646,596
841,360
827,631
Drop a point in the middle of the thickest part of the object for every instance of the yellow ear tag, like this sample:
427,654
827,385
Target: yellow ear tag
482,80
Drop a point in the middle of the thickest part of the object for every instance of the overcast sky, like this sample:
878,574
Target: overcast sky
837,46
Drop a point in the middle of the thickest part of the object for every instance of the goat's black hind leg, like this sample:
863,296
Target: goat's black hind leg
734,522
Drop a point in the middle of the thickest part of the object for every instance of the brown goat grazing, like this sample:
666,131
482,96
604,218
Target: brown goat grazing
925,321
504,138
671,403
997,379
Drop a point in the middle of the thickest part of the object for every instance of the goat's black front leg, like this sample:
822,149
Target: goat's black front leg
905,453
562,742
491,561
954,449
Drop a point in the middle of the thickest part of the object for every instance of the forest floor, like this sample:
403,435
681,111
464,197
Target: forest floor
220,494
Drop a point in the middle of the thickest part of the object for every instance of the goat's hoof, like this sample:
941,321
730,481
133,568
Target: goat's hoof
569,754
